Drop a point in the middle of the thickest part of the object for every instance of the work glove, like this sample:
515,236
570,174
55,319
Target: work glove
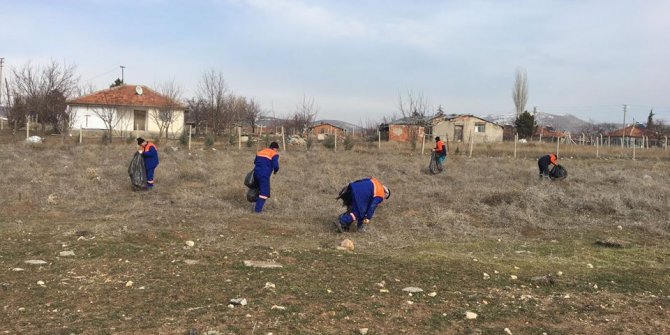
366,221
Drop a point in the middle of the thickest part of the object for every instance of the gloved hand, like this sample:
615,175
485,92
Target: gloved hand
366,221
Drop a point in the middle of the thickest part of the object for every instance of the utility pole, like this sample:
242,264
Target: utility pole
122,79
2,63
625,110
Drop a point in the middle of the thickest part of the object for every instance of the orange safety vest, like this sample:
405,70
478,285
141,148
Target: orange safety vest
267,153
439,146
552,159
148,147
378,188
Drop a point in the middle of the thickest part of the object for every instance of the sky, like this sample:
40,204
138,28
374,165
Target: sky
355,58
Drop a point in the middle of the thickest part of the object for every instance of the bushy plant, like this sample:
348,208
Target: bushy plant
183,138
329,142
309,142
209,141
349,142
130,138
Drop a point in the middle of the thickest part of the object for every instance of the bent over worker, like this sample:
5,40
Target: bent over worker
441,149
149,152
362,198
544,162
265,165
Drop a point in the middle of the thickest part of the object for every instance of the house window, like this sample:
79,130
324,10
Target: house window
480,127
140,120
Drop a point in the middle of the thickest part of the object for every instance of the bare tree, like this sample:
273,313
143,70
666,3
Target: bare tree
165,115
197,113
109,116
520,91
213,92
413,109
252,113
42,91
303,117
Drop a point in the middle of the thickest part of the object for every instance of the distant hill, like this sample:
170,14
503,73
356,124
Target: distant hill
567,122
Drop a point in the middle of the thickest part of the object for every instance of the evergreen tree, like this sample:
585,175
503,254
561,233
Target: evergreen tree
116,83
525,124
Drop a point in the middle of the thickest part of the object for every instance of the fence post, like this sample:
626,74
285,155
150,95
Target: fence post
558,145
80,137
239,138
516,139
379,140
423,144
27,128
634,150
335,147
538,141
471,143
666,143
283,139
597,149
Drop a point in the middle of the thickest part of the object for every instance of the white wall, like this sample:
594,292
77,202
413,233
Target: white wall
86,118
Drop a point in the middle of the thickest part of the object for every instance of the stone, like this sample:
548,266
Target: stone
347,244
18,269
559,273
486,276
239,301
513,277
412,289
129,283
269,286
470,315
383,290
262,264
590,266
189,243
281,308
432,294
363,331
507,331
543,280
67,253
35,262
191,261
40,283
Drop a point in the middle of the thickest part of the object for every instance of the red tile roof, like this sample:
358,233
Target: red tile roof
631,131
546,132
125,95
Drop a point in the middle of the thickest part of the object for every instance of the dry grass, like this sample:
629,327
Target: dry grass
488,213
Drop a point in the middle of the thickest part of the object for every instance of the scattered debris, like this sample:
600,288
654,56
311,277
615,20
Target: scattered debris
513,277
17,269
486,276
346,244
35,262
590,266
559,273
363,331
51,199
507,331
67,253
281,308
432,294
189,243
84,233
409,302
470,315
412,289
129,283
40,283
383,291
239,301
619,227
191,261
381,284
262,265
34,139
269,285
543,280
611,243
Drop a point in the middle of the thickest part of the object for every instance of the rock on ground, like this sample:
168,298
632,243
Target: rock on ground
412,289
262,264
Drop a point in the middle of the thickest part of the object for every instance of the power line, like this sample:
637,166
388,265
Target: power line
102,74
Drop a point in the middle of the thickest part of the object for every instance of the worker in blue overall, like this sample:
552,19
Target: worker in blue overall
265,165
149,152
361,198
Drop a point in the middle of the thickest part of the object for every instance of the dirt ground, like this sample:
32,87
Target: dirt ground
588,255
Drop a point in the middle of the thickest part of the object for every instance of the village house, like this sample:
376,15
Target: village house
326,128
129,109
637,135
403,130
464,128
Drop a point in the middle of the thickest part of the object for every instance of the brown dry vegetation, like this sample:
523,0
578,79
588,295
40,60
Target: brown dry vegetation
486,214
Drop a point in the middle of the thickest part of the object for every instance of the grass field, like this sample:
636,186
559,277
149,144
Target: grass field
461,236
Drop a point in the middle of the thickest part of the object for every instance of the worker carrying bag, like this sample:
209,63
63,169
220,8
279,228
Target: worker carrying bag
558,172
250,182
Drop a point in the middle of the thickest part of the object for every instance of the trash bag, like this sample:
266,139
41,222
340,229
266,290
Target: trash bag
250,181
346,196
558,172
252,194
137,172
435,167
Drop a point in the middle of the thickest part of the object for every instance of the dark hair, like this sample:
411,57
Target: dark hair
437,138
274,145
140,141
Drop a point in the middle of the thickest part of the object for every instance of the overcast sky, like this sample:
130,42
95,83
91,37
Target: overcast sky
355,57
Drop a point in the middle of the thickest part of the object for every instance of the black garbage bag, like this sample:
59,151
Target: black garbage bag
250,181
558,172
252,194
137,172
435,167
346,196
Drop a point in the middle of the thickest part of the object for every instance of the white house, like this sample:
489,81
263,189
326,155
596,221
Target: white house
129,109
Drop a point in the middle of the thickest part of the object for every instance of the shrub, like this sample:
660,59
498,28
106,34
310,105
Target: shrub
183,138
209,141
130,138
309,142
349,142
329,142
